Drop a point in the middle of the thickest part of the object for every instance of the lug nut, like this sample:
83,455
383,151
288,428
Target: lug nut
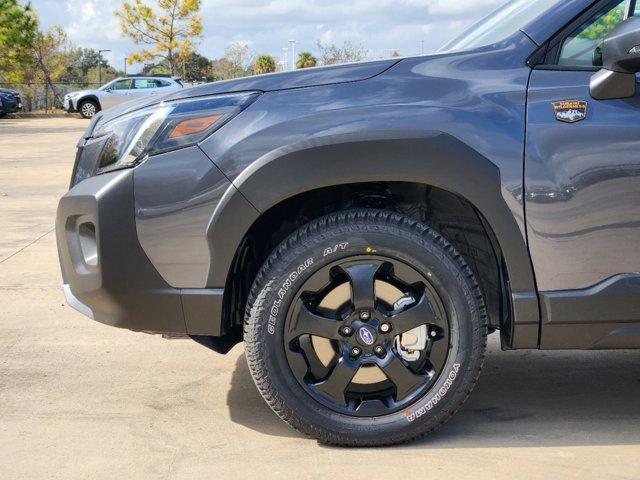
380,351
356,352
385,328
347,331
365,315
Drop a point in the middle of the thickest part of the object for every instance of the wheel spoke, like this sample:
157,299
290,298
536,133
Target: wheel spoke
316,367
371,407
298,363
338,380
416,315
404,379
318,281
362,279
405,273
310,323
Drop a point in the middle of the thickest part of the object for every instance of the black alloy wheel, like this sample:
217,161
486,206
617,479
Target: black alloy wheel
364,332
365,328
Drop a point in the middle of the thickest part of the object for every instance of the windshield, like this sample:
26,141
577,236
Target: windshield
500,25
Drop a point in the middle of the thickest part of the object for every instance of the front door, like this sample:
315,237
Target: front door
582,181
118,92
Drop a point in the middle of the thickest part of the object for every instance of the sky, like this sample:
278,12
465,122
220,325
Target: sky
379,25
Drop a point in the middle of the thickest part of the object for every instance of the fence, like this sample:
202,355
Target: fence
40,96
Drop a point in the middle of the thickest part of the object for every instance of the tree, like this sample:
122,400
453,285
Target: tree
196,68
82,66
155,69
240,58
346,53
306,60
169,33
264,64
599,29
18,27
222,69
51,55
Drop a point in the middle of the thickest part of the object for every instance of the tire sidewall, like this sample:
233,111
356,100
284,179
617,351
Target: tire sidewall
290,272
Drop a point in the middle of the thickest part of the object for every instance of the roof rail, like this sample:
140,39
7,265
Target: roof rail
156,75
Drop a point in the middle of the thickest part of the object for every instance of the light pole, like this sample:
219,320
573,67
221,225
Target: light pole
285,60
293,54
100,66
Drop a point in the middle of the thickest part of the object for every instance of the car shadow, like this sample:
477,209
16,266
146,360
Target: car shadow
247,408
523,399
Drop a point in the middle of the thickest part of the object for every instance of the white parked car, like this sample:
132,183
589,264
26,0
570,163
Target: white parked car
120,90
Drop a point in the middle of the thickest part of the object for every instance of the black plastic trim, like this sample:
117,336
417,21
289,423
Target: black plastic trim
606,315
122,288
270,181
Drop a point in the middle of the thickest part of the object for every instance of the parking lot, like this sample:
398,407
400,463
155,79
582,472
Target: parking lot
83,400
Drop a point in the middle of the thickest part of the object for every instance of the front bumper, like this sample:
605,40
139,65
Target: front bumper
13,105
69,107
107,275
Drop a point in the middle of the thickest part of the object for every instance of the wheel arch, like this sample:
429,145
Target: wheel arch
92,97
435,161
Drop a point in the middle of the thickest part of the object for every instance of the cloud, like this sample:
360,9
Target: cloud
380,26
465,9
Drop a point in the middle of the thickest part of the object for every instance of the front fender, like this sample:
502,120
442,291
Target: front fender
87,97
431,158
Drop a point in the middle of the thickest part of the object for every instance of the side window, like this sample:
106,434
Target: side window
581,47
142,83
121,85
163,83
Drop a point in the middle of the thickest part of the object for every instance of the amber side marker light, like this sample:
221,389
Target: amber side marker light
194,125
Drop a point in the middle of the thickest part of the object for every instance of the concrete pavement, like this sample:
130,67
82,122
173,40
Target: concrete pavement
82,400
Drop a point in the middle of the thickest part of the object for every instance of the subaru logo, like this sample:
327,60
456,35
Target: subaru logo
366,336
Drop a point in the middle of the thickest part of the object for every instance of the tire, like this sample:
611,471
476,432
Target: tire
88,108
344,249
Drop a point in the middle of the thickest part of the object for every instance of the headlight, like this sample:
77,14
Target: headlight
167,126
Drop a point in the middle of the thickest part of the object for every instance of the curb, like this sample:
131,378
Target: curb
29,115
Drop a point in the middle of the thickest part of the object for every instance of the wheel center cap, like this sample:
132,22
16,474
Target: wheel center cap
366,336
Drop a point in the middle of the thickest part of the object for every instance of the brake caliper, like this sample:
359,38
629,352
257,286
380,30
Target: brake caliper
411,343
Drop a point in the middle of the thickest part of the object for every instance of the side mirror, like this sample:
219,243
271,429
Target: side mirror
621,61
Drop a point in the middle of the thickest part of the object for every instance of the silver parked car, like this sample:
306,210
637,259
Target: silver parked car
89,102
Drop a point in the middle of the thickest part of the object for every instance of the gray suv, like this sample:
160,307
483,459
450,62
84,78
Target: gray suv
362,228
90,102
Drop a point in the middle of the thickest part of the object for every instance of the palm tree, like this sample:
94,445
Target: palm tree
306,60
265,64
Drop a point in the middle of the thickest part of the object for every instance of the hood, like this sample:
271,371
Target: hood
6,90
308,77
78,93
